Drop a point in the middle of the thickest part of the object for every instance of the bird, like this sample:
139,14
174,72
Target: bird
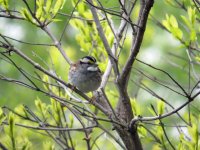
85,74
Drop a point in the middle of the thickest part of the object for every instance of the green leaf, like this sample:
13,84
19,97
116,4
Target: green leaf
135,107
160,107
63,3
2,117
58,5
38,103
87,14
170,2
181,143
81,8
186,21
173,21
21,110
48,6
151,111
26,144
45,78
11,122
48,145
193,131
172,25
56,108
55,20
39,11
160,134
166,23
1,112
41,107
197,58
177,33
193,36
156,147
4,4
142,131
25,13
40,3
71,120
192,15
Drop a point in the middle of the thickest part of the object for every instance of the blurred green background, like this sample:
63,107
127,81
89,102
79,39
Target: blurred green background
159,48
156,46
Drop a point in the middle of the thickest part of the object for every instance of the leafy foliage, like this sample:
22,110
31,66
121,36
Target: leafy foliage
61,118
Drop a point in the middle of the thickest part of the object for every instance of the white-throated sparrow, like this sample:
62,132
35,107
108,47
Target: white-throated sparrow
85,74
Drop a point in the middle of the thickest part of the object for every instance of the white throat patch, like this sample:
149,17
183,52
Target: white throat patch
92,68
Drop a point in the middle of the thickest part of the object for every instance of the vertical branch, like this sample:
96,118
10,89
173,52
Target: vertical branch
137,41
124,107
103,38
116,44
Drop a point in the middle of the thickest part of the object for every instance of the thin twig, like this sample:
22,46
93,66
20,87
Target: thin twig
67,21
183,90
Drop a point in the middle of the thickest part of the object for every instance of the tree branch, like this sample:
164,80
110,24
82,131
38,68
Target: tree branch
103,38
134,120
137,41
